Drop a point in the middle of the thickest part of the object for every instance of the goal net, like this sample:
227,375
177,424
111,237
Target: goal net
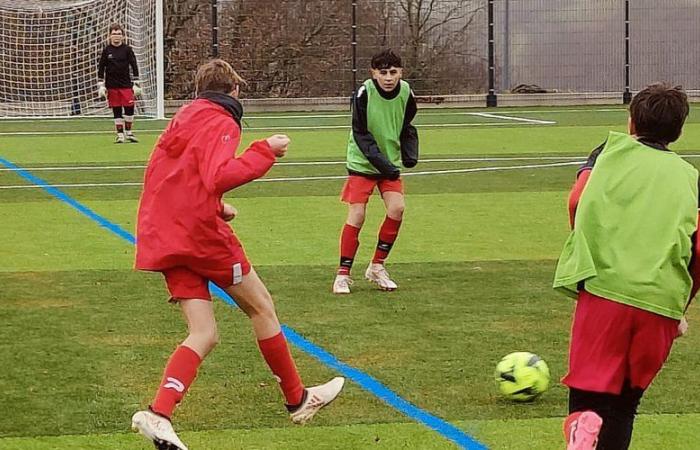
49,50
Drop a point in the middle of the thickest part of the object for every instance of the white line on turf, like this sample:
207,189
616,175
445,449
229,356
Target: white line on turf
439,113
492,169
516,119
279,128
334,163
423,112
72,185
71,168
308,163
330,177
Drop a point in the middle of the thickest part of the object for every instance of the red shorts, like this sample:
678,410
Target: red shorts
612,342
186,283
120,97
359,189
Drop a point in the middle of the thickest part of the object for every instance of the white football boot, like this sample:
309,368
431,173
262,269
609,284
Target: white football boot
119,139
315,398
376,273
130,136
342,284
158,429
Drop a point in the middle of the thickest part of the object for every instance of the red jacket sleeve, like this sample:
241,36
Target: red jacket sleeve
575,194
694,268
222,171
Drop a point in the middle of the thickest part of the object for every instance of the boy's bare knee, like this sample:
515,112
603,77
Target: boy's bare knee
266,310
214,338
202,341
262,306
356,222
396,212
356,215
209,338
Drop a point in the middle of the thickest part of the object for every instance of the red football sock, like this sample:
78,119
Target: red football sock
387,236
179,374
278,358
349,241
127,125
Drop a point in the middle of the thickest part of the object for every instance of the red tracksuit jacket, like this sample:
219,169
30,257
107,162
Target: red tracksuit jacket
193,164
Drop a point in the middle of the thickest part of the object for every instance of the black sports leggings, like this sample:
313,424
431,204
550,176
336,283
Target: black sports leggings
117,111
617,412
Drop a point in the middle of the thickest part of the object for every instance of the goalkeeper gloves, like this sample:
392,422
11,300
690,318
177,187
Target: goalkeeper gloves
137,89
101,89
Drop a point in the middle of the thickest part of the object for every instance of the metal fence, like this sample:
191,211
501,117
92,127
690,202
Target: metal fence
322,48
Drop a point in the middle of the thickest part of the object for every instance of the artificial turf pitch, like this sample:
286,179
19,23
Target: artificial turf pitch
84,337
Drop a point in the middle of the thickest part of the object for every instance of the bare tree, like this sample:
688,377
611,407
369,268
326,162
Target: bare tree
434,27
290,48
438,39
428,19
187,34
301,48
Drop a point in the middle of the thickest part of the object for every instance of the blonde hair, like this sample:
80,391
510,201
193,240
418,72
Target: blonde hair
217,75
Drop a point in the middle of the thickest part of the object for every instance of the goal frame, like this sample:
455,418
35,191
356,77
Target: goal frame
156,68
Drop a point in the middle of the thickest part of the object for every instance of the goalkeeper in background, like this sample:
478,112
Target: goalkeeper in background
382,139
116,84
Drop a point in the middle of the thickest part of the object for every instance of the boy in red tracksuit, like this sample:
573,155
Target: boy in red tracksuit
182,233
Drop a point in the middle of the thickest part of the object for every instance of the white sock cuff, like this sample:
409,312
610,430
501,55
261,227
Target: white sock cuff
129,118
119,121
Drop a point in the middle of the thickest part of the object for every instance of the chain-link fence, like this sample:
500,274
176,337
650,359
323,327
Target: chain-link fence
322,48
301,48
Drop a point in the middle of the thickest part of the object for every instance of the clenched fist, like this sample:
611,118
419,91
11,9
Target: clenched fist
278,144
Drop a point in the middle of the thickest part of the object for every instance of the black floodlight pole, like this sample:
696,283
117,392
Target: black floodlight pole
627,95
491,99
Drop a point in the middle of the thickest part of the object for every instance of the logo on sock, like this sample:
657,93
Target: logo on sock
174,383
384,246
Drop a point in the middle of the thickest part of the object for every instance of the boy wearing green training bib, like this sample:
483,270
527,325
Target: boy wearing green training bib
630,262
382,139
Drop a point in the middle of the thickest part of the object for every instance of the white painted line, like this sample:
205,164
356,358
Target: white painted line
492,169
336,163
485,124
44,119
332,177
438,113
282,128
323,177
517,119
53,133
305,163
71,168
71,185
423,112
563,111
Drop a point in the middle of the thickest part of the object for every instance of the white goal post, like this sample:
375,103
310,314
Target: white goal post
49,50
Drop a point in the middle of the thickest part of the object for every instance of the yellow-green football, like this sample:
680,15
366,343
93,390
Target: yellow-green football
522,376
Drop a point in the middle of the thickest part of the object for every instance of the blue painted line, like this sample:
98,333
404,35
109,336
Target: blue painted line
371,384
365,381
104,223
385,394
